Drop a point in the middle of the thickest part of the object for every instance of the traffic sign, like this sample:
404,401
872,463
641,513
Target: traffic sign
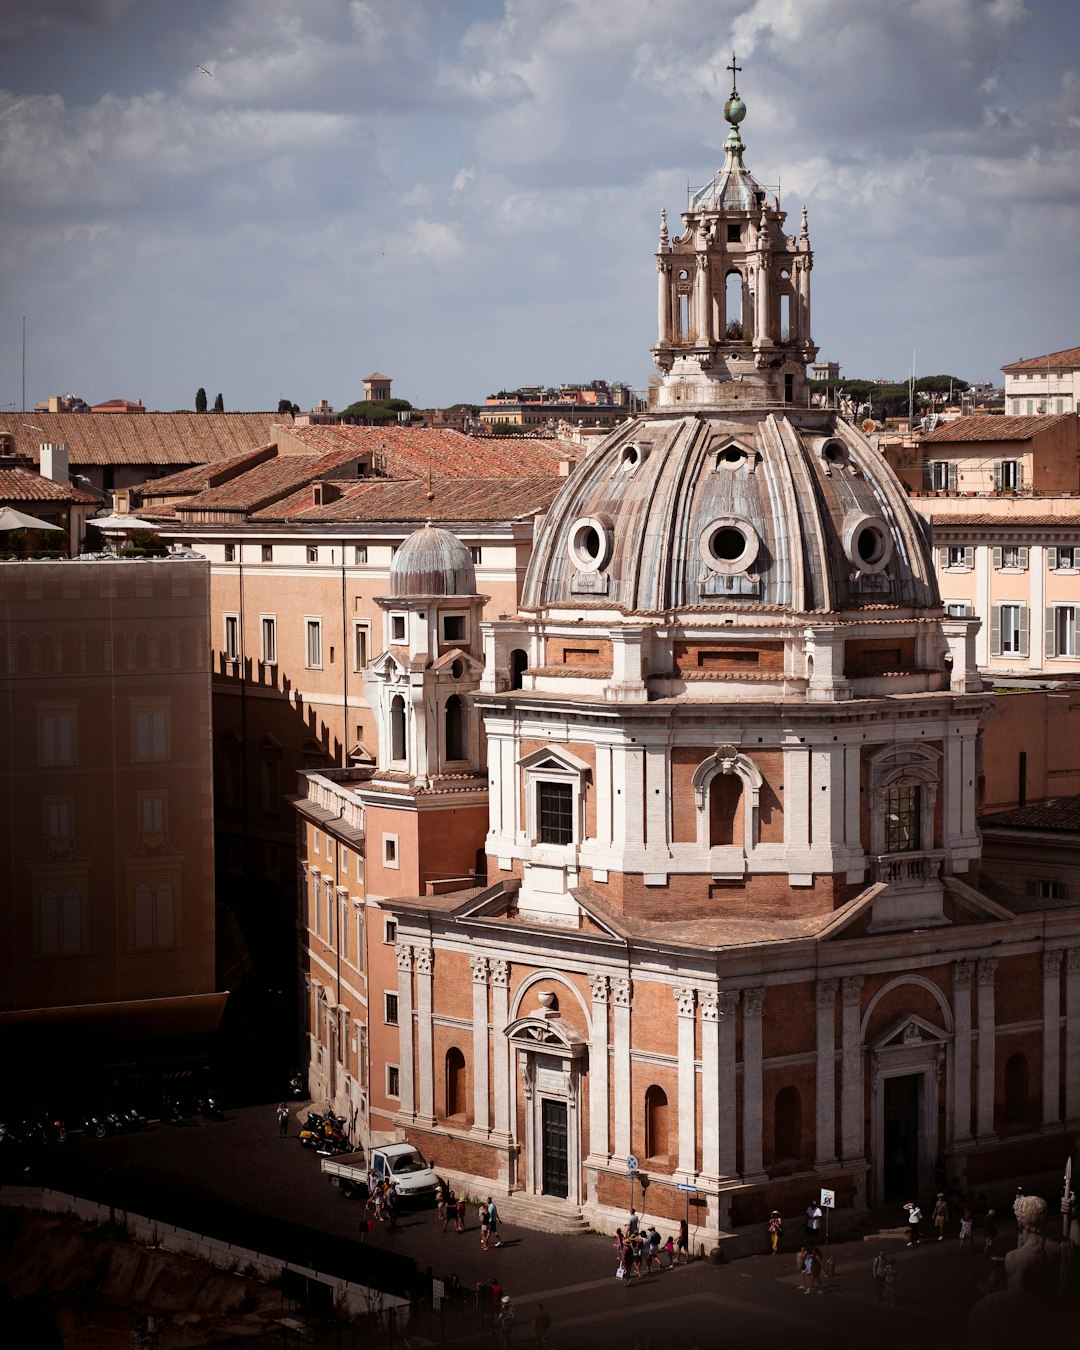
631,1164
690,1190
828,1199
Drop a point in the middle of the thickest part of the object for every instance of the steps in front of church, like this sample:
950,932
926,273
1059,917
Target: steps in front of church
547,1216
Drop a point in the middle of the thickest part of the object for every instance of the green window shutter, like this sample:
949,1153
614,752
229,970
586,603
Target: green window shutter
997,474
969,556
943,557
1022,558
1023,644
995,631
952,477
1051,559
1049,634
997,560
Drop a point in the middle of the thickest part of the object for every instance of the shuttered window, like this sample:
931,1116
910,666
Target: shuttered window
1060,630
1009,630
1011,556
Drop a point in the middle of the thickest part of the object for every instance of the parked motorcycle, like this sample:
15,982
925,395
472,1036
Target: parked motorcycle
311,1131
210,1108
297,1087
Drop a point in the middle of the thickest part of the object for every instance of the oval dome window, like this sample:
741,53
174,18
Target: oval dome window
590,544
868,543
728,545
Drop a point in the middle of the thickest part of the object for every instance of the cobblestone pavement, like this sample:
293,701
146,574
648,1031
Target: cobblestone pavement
747,1303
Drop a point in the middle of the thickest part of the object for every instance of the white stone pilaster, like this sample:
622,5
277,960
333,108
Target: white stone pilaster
851,1071
479,965
686,1000
984,1086
825,1079
621,992
598,1071
1072,1034
406,1076
663,300
1051,1046
961,1094
425,1064
753,1007
500,1049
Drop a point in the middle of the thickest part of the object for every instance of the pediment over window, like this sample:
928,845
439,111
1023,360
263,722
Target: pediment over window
387,666
472,668
551,758
909,1030
548,1034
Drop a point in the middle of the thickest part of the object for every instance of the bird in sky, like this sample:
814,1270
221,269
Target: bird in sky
205,71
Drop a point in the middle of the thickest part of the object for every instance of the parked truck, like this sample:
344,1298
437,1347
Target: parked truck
405,1165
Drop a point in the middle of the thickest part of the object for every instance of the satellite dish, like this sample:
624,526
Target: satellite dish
869,425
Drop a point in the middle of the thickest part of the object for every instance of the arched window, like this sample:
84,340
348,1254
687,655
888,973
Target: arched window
787,1126
457,1099
684,318
785,318
397,727
455,728
519,664
656,1123
725,809
733,305
1015,1105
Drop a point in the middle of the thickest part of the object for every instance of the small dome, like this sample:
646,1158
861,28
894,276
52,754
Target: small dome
432,561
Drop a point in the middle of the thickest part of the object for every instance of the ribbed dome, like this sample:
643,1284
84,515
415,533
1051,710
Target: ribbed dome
432,561
795,511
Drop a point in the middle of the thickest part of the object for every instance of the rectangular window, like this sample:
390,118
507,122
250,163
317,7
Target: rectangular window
232,637
271,785
152,815
390,932
397,627
734,233
59,922
57,743
343,926
1008,474
361,646
1062,559
390,1009
230,552
361,1056
58,812
943,476
151,735
1009,630
313,639
1061,630
312,553
360,554
329,849
1011,555
555,813
453,627
958,609
154,915
393,1081
343,858
903,818
476,553
390,850
329,913
268,553
359,963
958,556
316,841
268,639
1046,889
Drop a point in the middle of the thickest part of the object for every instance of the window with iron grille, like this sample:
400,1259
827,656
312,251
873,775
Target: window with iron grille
903,818
555,812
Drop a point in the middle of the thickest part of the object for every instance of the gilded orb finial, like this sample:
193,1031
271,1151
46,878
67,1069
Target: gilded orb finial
734,108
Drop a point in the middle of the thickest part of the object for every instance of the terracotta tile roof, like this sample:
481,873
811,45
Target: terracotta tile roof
410,452
268,482
141,438
204,476
376,376
407,500
985,427
1053,361
23,485
942,524
1062,814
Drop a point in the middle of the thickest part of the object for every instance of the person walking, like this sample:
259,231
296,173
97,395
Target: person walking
440,1204
541,1326
506,1322
669,1247
633,1223
682,1243
940,1215
460,1215
890,1283
449,1209
493,1222
965,1230
776,1231
485,1228
880,1266
282,1121
914,1218
815,1272
496,1296
990,1232
801,1265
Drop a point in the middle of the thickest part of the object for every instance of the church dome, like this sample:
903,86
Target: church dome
791,510
432,561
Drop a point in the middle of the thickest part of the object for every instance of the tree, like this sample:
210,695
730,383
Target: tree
286,406
200,400
219,404
369,411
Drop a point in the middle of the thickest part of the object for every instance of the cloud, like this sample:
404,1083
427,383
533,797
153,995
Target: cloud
20,19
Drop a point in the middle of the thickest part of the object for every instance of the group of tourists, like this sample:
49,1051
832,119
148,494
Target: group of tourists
957,1214
640,1249
808,1264
454,1209
382,1200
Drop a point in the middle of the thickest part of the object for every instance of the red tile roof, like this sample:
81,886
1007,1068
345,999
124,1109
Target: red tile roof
410,452
268,482
141,438
1062,360
1061,814
408,500
980,427
23,485
204,476
1010,521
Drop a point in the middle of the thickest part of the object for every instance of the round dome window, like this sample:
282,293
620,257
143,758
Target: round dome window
590,544
868,543
457,668
728,545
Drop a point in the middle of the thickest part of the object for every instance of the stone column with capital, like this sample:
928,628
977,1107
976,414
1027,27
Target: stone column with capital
599,1152
701,299
986,1049
406,1076
621,994
479,967
825,1083
663,276
500,1049
753,1007
960,1132
1072,1035
425,1062
851,1070
1051,1046
686,1003
718,1080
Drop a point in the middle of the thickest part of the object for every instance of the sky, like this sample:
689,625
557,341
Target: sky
465,194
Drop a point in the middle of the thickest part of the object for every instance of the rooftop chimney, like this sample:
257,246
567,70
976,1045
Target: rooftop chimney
54,462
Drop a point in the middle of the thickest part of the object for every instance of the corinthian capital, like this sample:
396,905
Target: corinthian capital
753,1002
621,990
986,970
599,986
685,999
479,967
852,990
404,956
425,959
826,993
962,973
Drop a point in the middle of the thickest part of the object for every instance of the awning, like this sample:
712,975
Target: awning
10,519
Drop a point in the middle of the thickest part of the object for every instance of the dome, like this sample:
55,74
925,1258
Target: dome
791,510
432,561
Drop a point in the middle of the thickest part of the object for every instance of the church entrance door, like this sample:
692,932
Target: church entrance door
902,1112
554,1170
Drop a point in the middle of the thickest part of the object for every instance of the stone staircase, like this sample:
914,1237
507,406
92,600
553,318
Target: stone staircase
541,1213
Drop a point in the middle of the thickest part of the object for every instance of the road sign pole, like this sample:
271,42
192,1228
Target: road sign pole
827,1238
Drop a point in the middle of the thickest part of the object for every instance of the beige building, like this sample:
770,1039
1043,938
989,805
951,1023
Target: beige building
1043,384
106,879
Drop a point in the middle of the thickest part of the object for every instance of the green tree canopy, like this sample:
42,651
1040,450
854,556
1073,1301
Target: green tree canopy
200,399
367,410
286,406
219,404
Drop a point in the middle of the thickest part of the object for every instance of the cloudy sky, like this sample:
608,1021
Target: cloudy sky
465,194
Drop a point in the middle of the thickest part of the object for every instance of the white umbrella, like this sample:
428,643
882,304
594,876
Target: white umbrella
10,519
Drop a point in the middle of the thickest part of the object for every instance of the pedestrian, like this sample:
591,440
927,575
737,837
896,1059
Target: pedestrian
940,1215
815,1271
965,1230
460,1226
637,1245
485,1228
282,1121
776,1231
493,1222
626,1264
990,1232
813,1219
440,1204
890,1283
496,1297
914,1219
390,1202
880,1265
669,1247
682,1243
654,1247
800,1265
632,1224
506,1322
449,1209
541,1325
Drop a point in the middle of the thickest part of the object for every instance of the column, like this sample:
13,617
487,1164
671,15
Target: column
406,1079
961,1124
425,1066
803,265
1051,1046
984,1084
851,1070
1072,1034
718,1083
825,1084
663,270
479,965
701,298
598,1071
761,300
753,1006
621,991
686,1003
500,1048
